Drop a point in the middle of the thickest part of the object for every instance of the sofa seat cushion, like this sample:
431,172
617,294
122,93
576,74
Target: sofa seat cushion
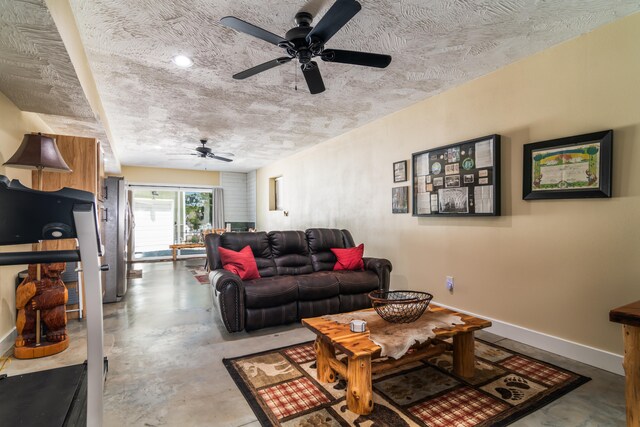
357,282
270,291
316,286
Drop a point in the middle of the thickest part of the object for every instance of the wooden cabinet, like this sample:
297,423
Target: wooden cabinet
84,157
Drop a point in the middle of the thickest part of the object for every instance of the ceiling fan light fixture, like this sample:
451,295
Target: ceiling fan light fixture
182,61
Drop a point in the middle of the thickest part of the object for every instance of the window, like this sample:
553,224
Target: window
276,194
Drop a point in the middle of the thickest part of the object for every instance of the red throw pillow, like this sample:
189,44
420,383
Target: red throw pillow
350,258
242,263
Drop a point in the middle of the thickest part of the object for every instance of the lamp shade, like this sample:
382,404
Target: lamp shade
38,152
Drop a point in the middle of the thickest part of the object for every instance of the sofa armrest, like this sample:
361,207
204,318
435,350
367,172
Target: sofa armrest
228,291
382,267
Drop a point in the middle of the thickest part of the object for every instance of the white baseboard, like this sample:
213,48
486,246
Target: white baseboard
582,353
7,341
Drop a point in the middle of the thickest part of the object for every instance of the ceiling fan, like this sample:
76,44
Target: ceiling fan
305,42
205,152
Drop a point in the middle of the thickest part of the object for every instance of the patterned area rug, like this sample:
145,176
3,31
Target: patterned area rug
282,389
201,275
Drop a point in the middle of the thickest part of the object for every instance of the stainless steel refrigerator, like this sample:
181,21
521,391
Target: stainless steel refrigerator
116,224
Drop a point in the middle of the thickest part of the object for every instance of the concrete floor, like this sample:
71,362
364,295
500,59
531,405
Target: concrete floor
165,345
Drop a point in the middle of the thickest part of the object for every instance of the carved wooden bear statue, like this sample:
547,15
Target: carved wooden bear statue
49,295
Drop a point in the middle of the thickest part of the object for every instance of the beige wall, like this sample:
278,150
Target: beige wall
13,125
554,266
138,175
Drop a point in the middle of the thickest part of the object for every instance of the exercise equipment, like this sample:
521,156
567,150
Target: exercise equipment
29,216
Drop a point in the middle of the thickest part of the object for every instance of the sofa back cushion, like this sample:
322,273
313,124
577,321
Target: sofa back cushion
290,252
321,240
259,244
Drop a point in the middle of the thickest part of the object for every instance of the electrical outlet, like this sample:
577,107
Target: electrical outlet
449,283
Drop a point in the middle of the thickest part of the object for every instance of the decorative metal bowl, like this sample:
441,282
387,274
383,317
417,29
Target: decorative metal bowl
400,306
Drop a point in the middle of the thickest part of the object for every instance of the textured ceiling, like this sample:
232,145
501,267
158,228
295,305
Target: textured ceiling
36,73
155,109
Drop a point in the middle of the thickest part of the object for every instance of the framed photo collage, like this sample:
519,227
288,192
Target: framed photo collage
461,179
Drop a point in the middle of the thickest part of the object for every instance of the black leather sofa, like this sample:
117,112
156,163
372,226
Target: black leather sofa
296,278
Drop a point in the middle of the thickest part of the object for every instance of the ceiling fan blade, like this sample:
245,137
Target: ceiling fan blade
336,17
224,159
262,67
252,30
312,75
357,58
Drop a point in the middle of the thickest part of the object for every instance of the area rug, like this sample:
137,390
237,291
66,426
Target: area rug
201,275
282,389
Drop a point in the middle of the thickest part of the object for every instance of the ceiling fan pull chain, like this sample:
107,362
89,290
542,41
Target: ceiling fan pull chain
295,76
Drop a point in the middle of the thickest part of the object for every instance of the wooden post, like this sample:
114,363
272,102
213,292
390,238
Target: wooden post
39,244
324,352
38,267
463,355
631,366
359,390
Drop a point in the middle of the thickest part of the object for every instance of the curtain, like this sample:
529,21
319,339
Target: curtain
218,208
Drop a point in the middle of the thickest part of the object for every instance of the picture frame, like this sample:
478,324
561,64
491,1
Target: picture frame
461,179
400,171
574,167
400,199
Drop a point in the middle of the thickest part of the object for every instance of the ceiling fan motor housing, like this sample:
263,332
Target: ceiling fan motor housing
298,45
203,150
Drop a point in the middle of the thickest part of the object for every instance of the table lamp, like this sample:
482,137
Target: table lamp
38,152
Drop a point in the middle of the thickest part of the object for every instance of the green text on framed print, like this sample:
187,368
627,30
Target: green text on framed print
461,179
568,168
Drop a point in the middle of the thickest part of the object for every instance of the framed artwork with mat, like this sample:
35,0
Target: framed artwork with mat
575,167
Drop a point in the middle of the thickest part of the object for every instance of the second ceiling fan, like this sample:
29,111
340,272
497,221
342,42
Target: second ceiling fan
205,152
305,42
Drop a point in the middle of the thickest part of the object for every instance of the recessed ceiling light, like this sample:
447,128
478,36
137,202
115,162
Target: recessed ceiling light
182,61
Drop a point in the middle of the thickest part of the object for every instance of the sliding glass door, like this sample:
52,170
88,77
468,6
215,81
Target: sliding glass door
169,215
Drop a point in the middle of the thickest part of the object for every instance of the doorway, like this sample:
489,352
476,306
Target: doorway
169,215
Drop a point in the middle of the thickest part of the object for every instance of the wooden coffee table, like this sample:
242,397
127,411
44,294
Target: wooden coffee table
360,352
